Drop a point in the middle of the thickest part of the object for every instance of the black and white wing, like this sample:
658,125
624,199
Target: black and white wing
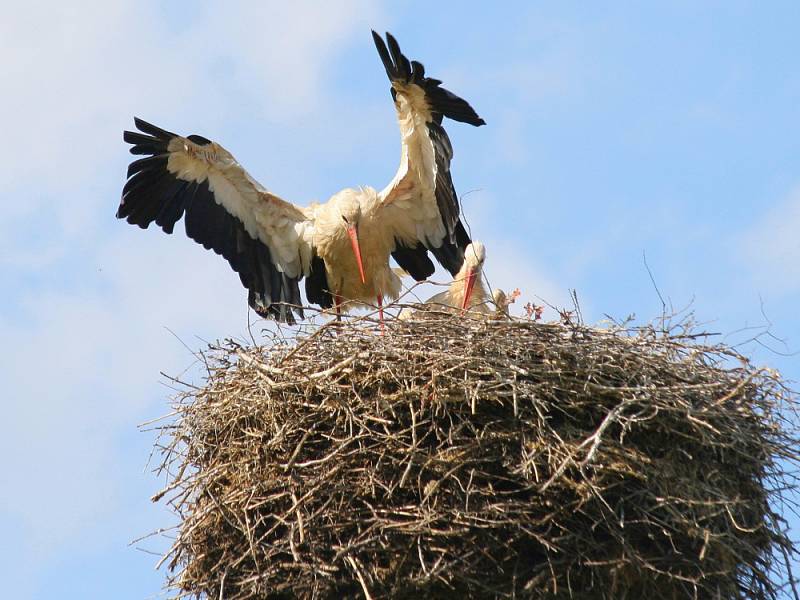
421,201
265,239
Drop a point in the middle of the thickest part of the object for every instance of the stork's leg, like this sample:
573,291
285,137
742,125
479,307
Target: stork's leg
380,311
337,301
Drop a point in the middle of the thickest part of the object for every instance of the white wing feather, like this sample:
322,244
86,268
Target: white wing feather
282,226
411,196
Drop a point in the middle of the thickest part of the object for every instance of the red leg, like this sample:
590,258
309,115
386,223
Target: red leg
380,311
337,300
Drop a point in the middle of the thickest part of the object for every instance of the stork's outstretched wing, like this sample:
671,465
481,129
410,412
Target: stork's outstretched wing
263,237
421,198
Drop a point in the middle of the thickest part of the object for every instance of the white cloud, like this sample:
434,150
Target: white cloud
80,71
278,51
82,67
771,248
86,364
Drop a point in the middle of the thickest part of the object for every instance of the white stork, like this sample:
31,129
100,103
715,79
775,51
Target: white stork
341,247
466,292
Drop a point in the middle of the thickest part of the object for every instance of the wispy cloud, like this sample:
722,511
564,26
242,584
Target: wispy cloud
285,45
85,366
85,69
771,248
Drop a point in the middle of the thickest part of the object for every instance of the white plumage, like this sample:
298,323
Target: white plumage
341,247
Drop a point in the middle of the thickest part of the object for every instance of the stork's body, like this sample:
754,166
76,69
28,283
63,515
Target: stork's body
341,247
334,246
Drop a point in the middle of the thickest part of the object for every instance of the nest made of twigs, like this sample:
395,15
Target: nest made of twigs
480,458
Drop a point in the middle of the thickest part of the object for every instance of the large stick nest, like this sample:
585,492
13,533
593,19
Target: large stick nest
481,458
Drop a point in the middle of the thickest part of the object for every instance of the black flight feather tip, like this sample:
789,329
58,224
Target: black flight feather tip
146,127
401,70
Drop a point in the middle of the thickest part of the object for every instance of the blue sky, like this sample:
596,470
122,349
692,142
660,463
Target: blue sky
612,132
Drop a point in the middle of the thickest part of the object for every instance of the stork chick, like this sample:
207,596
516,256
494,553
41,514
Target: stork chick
501,303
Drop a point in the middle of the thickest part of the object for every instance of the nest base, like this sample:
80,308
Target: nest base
481,459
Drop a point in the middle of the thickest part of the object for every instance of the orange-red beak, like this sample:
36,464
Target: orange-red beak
472,276
351,231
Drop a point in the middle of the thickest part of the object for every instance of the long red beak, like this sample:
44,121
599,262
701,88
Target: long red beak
351,231
472,276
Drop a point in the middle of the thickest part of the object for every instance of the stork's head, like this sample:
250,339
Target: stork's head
474,257
349,209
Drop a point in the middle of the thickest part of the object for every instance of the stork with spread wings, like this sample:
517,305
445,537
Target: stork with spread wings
341,247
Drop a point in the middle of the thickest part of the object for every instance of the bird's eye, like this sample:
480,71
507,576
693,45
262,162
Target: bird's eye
345,219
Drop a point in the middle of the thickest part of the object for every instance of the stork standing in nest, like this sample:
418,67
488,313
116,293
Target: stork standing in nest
467,291
341,247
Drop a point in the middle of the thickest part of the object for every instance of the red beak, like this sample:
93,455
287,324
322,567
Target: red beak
351,231
471,278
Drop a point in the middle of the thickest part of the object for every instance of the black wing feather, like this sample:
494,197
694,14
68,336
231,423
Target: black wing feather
451,253
148,162
161,134
386,58
153,194
417,71
399,59
173,208
441,100
415,261
317,290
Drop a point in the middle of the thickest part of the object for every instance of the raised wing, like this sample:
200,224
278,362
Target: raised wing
263,237
421,201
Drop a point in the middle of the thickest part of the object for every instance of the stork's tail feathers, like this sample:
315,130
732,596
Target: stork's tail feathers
402,71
